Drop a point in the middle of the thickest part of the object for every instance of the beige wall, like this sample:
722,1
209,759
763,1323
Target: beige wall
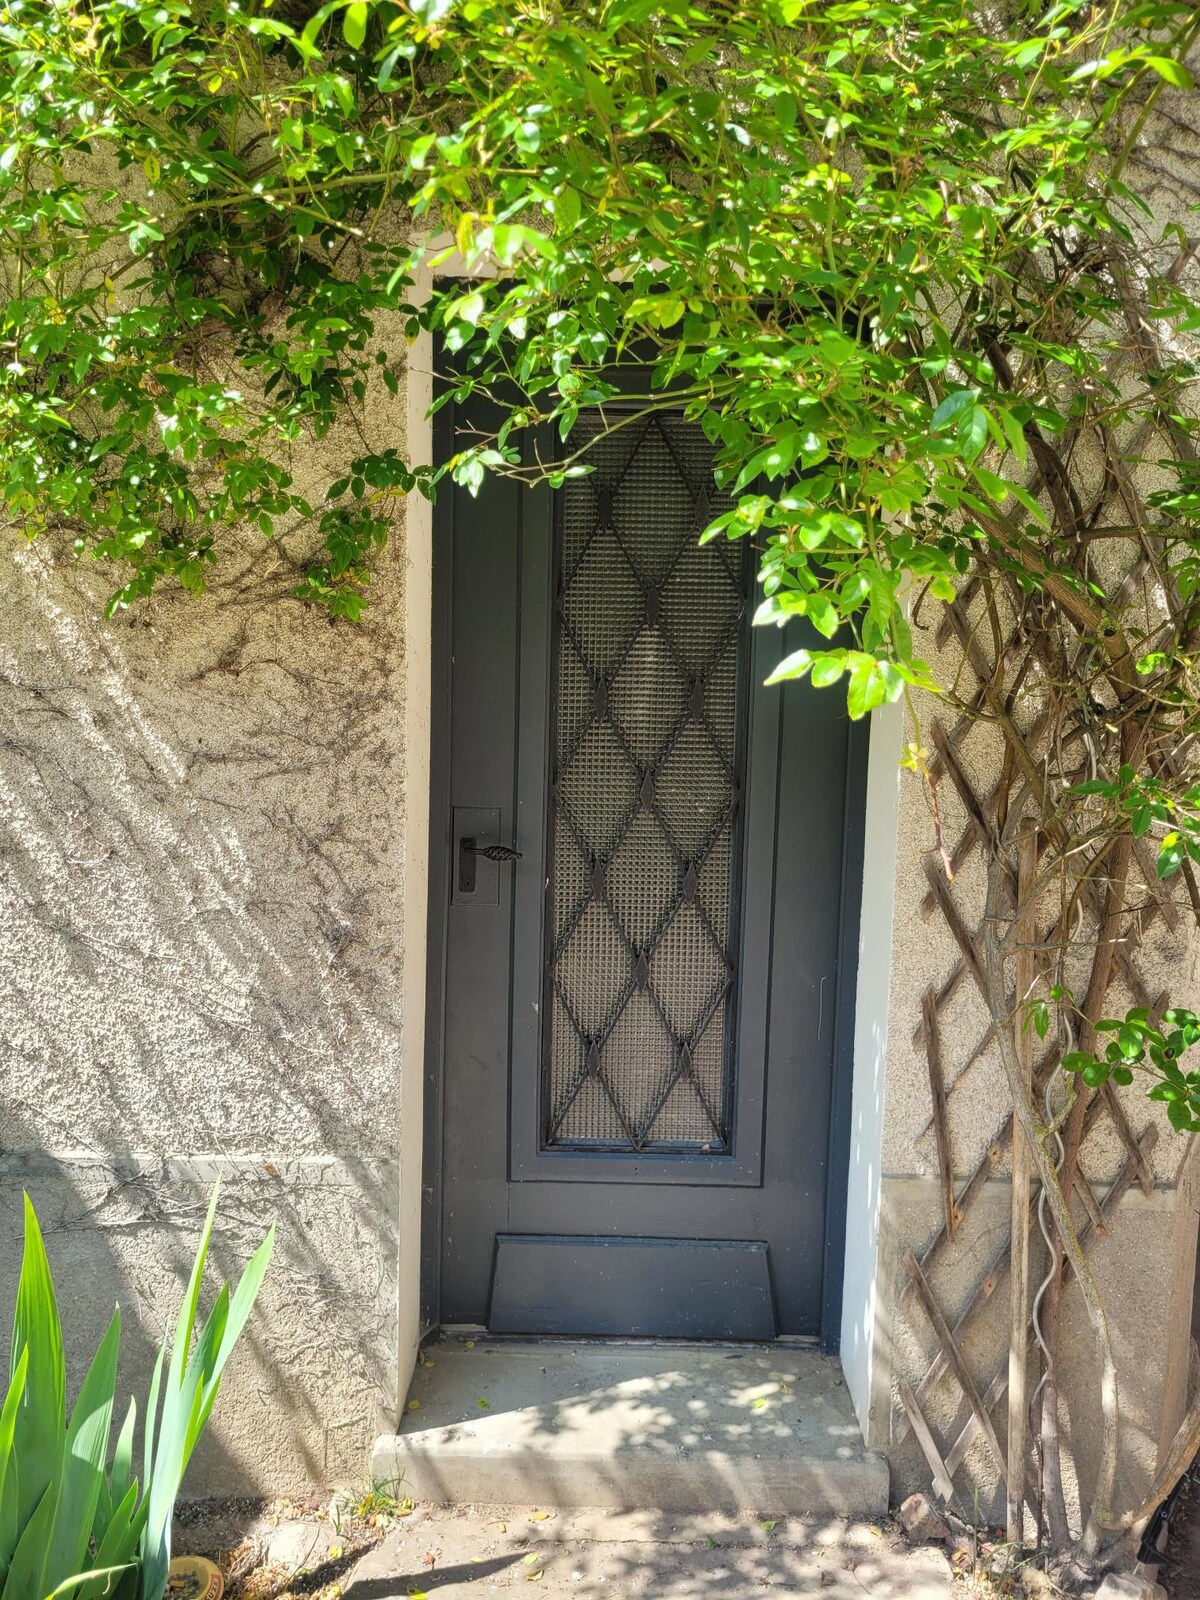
1143,1266
1133,1264
202,946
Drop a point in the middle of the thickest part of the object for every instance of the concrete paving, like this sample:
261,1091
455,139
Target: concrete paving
767,1429
605,1556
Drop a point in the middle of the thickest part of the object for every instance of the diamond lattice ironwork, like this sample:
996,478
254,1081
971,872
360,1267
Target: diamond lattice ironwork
646,800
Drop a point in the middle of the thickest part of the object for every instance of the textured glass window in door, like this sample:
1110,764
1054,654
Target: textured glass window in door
647,759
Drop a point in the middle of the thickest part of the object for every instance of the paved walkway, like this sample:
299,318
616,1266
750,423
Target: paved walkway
469,1553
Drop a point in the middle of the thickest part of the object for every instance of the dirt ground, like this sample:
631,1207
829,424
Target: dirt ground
605,1556
373,1548
284,1548
1180,1574
287,1551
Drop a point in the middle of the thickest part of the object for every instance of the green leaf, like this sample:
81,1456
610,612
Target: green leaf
308,39
823,614
792,666
85,1453
827,669
1181,1118
973,433
240,1307
96,1575
953,407
41,1416
655,310
180,1402
152,1413
1170,859
186,1320
867,689
8,1471
24,1578
566,210
122,1462
354,24
116,1547
1172,72
188,1395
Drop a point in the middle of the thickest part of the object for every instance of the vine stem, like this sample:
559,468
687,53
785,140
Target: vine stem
1100,1511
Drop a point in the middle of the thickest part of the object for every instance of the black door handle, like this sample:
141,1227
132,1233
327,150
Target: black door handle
468,850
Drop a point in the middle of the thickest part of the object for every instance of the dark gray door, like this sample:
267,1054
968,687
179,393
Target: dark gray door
641,1017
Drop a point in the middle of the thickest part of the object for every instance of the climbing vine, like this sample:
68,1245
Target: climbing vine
896,258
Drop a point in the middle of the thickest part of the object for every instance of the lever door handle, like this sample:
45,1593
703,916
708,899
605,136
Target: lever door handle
468,850
494,852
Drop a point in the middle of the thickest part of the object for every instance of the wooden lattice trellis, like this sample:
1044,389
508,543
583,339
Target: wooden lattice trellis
1020,766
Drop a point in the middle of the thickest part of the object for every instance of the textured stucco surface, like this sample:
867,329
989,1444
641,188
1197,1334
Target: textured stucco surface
202,829
1132,1268
1133,1264
302,1393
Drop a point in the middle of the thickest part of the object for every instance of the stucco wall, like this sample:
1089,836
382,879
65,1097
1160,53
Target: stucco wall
1132,1264
1144,1251
202,830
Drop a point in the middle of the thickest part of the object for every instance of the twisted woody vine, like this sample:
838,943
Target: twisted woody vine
925,272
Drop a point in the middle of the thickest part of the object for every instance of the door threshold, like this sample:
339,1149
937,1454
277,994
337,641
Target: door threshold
467,1333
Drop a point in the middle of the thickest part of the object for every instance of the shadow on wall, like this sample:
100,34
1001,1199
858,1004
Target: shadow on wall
201,832
94,1263
301,1398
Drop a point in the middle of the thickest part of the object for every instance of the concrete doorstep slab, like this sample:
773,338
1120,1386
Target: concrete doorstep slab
768,1429
466,1553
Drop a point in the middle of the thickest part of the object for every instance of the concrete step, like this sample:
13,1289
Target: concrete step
683,1428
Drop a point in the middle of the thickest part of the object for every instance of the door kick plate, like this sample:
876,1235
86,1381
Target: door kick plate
603,1285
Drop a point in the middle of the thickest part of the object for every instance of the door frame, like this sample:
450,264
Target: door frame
438,869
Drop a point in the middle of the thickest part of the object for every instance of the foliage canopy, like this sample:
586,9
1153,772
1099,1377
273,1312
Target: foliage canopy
830,231
885,252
